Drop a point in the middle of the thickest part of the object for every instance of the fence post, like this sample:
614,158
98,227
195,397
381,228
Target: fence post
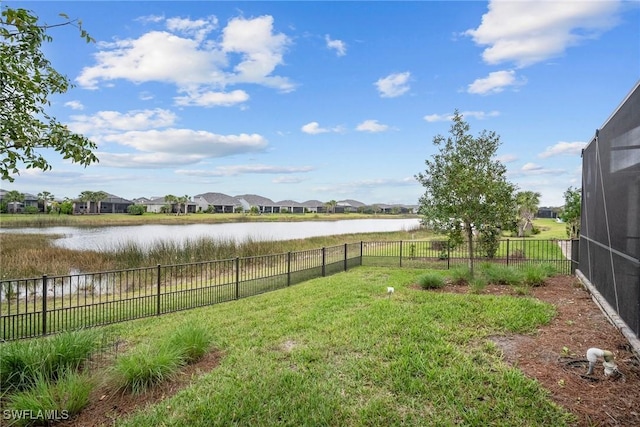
158,291
44,304
361,252
345,257
289,268
507,252
324,270
400,253
448,256
237,277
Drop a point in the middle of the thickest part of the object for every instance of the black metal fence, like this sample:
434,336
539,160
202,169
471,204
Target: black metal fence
610,221
44,305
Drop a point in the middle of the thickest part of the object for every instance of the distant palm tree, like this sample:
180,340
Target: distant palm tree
14,197
331,206
46,198
171,200
527,206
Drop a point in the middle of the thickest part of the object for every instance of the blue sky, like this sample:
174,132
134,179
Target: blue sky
329,100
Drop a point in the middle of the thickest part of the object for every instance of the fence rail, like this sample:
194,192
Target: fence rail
44,305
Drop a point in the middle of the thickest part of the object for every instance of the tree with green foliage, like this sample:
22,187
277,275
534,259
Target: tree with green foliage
526,208
182,201
13,198
27,81
572,211
95,197
171,200
331,206
465,186
46,199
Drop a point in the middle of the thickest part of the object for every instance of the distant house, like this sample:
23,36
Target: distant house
291,206
216,202
29,200
547,212
114,204
349,205
315,206
110,204
264,204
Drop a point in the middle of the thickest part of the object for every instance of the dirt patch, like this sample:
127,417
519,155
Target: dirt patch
555,355
106,406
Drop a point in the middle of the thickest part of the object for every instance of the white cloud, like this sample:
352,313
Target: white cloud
563,148
535,169
187,56
480,115
74,105
287,180
527,32
372,126
246,169
313,128
148,160
111,121
495,82
261,51
338,45
212,99
507,158
191,142
393,85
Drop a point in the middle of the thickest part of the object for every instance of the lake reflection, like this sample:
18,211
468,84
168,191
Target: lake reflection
108,238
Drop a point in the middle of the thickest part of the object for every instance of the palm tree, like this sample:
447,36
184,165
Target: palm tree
14,197
46,198
331,206
170,199
97,197
182,201
527,206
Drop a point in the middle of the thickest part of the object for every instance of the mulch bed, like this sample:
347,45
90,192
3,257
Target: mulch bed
556,355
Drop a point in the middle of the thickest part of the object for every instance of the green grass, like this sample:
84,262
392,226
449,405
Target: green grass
47,400
24,363
192,342
338,351
431,280
144,367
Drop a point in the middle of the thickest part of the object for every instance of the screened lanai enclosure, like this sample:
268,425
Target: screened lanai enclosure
610,221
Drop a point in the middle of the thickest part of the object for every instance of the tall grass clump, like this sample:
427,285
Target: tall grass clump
535,274
501,274
460,275
24,362
145,366
48,401
191,341
431,281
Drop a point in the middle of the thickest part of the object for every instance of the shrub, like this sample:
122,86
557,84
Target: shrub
62,399
191,341
136,209
31,210
536,274
501,274
144,367
431,281
23,362
460,275
477,284
489,241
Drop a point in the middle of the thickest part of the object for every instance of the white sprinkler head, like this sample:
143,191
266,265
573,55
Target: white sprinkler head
390,289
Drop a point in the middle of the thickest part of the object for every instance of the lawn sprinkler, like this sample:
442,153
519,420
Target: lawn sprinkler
390,291
610,368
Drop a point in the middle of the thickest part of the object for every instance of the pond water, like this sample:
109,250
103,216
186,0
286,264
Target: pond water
108,238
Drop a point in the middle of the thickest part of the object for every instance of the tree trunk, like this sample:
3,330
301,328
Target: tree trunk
470,248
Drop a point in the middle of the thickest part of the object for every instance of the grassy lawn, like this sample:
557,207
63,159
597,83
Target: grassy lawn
337,351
